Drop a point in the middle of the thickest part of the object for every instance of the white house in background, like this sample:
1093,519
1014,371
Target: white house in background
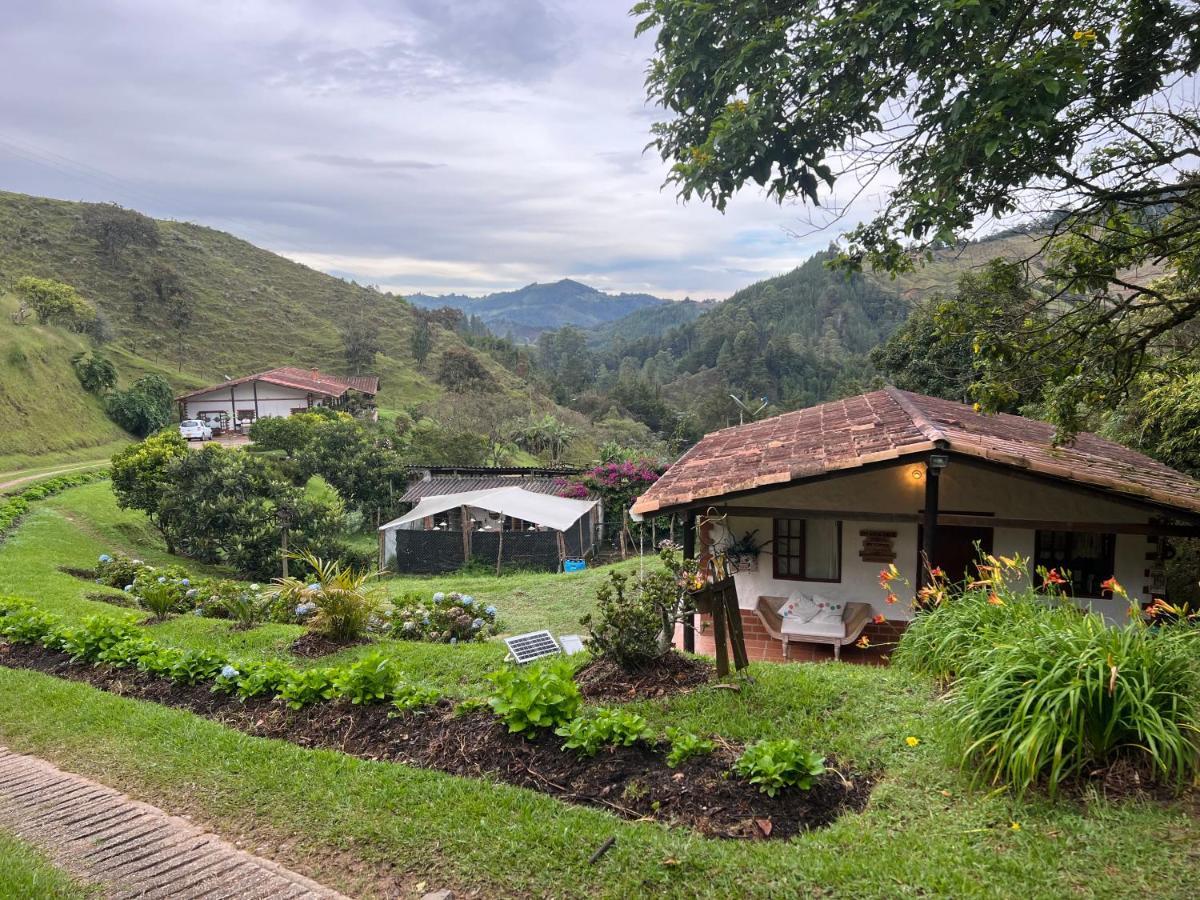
276,393
837,492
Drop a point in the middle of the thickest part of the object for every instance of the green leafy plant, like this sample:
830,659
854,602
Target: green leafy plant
23,624
94,636
371,679
776,764
535,696
159,661
339,602
685,745
194,666
611,727
127,654
408,697
446,618
1057,699
260,679
307,686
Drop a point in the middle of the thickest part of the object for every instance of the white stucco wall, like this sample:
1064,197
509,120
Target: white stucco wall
273,401
964,489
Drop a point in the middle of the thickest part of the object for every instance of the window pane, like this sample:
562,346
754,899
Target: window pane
822,550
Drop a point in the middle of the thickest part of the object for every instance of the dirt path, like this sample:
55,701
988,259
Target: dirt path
49,473
131,848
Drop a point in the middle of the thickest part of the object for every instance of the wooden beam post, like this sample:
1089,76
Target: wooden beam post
254,386
689,552
929,526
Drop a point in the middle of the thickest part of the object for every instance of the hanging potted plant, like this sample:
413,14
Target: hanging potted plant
742,553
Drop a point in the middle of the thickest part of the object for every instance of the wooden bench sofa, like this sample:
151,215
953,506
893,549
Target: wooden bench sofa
838,634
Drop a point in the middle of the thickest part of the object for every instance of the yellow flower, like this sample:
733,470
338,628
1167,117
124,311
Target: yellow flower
912,741
1015,826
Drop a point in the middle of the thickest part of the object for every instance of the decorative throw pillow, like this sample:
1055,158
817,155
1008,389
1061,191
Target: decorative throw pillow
799,608
828,610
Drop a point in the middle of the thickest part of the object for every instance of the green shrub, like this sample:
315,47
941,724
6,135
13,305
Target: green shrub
535,696
950,639
371,679
774,765
23,624
118,570
13,507
1058,698
94,636
447,618
685,745
307,686
408,697
260,679
338,603
127,654
605,727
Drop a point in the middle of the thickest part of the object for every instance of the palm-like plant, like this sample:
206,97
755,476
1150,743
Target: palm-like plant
341,601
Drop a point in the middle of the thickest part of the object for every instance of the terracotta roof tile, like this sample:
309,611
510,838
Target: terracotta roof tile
889,424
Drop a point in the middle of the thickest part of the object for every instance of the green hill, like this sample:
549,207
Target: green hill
528,311
249,310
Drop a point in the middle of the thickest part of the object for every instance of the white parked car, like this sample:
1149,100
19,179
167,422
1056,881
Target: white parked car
195,430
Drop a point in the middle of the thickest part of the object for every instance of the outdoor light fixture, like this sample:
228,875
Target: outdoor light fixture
917,473
938,461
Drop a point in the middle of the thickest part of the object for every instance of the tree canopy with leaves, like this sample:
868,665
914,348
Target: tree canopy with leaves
1076,116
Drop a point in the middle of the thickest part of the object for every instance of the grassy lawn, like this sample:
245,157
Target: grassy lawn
382,829
26,873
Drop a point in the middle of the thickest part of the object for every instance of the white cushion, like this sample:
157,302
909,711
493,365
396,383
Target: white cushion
816,628
799,608
828,610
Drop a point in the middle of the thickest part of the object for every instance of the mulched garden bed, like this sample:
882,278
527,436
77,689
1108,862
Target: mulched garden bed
633,782
74,572
113,599
673,673
312,646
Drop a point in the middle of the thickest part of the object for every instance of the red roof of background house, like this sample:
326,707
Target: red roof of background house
890,424
312,381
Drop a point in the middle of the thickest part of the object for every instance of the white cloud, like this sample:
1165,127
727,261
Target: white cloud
418,144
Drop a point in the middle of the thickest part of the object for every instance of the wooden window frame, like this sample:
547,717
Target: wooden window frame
775,555
1039,537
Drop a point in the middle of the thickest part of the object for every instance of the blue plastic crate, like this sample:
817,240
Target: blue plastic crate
574,565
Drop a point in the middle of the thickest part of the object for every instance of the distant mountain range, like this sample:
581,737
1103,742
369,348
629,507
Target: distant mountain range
528,311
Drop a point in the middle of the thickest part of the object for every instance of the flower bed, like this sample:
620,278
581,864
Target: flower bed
446,618
620,766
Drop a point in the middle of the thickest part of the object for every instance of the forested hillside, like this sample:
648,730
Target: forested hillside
796,339
195,304
527,312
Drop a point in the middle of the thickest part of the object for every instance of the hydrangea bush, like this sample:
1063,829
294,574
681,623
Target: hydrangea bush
445,618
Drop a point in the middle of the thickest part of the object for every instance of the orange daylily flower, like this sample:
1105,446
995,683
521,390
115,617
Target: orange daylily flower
879,620
936,572
863,642
1052,577
995,600
892,598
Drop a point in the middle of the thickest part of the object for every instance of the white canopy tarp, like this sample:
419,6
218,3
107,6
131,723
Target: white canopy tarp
559,513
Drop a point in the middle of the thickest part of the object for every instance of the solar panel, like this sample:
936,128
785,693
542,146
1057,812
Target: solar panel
526,648
571,643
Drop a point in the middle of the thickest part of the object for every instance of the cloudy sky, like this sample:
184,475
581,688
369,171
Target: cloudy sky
422,145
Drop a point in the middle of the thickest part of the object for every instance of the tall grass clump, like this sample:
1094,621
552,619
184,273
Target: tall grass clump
1043,692
1062,698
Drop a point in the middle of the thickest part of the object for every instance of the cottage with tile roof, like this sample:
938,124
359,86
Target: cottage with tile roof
832,494
275,393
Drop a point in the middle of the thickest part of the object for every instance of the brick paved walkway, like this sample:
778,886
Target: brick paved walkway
133,849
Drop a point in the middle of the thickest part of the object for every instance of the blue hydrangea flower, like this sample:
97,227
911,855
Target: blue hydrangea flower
229,672
477,624
490,610
192,593
439,597
198,611
454,640
104,557
410,626
425,621
128,588
306,609
137,562
314,586
468,601
254,587
185,582
162,579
